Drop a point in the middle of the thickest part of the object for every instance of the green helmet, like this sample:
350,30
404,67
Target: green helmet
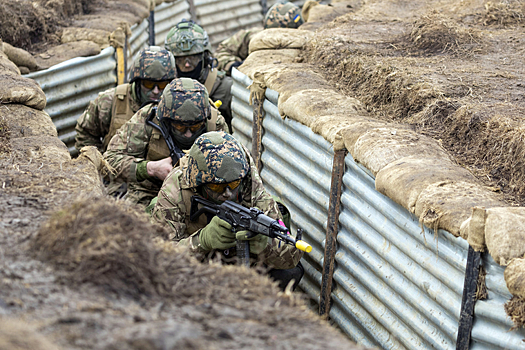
215,157
153,63
287,15
184,100
187,38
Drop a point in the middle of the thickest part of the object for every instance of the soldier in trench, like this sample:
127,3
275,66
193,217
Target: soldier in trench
219,168
145,149
191,46
233,51
153,69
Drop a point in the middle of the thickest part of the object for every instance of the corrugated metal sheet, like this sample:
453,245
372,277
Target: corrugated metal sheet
401,285
222,18
138,40
491,324
166,16
397,286
71,85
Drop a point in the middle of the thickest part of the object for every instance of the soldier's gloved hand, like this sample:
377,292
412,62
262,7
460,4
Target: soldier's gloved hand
257,243
235,64
217,235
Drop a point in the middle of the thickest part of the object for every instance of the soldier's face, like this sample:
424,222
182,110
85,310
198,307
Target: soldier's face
188,63
152,89
227,195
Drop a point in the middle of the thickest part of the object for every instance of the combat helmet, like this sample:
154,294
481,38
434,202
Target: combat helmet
153,63
215,157
184,100
287,15
187,38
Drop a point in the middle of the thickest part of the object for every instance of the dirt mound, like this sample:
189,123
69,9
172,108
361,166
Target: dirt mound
26,23
435,33
105,242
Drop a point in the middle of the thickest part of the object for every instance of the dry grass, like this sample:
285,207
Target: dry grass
26,23
515,309
435,33
505,13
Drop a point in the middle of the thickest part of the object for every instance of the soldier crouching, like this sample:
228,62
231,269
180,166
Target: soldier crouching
218,168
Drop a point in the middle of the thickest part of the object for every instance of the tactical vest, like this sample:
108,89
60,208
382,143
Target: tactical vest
210,80
157,147
121,111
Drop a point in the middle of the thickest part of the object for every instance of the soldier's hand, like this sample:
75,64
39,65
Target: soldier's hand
257,243
217,235
160,168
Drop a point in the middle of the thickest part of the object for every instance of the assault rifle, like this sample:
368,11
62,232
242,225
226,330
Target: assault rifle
246,219
175,152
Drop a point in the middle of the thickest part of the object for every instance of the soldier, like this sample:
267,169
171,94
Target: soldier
234,50
145,149
218,168
190,45
153,69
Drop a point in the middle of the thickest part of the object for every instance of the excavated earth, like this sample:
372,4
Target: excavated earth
79,271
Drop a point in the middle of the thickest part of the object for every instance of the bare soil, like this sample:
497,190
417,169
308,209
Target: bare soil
451,70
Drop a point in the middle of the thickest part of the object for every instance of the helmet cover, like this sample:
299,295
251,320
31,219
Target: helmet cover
184,100
153,63
215,157
187,38
287,15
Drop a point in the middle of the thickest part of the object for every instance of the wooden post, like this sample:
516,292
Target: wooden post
193,10
466,318
151,23
258,114
332,229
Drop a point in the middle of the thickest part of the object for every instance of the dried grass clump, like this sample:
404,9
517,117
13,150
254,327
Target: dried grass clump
505,13
434,33
104,242
4,136
390,92
515,309
490,140
111,244
27,22
481,287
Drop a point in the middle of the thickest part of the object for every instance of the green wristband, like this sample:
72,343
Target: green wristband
142,171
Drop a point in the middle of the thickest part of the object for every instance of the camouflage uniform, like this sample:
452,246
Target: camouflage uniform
287,15
136,141
93,125
188,38
104,115
236,48
173,203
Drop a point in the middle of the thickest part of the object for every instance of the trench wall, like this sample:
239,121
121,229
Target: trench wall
397,285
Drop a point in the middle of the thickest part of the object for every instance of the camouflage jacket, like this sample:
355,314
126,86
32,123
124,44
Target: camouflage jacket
130,146
235,48
172,210
93,125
